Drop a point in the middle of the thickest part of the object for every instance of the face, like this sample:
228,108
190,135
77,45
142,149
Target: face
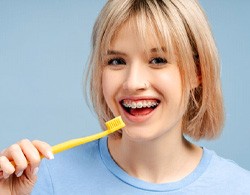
143,87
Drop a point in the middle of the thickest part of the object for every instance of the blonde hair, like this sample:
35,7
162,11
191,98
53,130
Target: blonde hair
182,28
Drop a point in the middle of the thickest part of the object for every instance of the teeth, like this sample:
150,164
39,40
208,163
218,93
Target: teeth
133,105
139,104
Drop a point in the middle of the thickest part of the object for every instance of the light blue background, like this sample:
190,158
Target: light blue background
44,47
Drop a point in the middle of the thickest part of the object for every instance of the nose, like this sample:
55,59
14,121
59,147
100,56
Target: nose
136,78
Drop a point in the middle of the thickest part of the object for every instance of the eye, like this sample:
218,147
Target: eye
116,61
158,60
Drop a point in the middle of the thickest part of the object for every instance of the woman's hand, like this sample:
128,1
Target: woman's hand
19,165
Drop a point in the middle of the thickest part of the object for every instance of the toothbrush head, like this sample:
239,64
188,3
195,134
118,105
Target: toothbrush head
115,124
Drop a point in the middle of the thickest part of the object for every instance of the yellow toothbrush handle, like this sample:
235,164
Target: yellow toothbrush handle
76,142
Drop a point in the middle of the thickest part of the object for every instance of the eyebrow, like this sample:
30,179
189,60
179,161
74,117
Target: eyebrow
114,52
153,50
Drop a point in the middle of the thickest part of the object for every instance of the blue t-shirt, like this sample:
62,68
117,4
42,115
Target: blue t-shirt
90,169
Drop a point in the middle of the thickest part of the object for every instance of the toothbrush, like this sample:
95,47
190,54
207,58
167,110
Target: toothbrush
112,126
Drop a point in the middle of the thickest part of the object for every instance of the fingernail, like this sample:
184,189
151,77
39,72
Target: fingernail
5,175
50,155
19,174
35,171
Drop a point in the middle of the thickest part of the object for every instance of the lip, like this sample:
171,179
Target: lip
139,118
134,98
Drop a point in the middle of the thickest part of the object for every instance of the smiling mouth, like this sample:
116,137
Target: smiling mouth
139,107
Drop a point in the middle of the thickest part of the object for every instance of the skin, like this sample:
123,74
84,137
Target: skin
20,179
152,146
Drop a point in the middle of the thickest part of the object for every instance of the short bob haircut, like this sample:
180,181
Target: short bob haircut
181,27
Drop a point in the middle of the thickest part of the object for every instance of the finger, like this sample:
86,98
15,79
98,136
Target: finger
6,167
31,153
1,153
44,149
16,154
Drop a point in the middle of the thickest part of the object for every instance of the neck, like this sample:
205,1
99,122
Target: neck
158,161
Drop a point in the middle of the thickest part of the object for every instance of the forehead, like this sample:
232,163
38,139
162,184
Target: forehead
130,32
145,37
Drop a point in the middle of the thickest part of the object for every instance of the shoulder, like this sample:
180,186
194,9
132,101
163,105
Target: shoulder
227,173
228,166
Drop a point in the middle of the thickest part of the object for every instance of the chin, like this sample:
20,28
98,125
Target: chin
138,134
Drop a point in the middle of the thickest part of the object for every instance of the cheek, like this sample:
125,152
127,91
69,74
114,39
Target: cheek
106,87
171,87
110,86
112,81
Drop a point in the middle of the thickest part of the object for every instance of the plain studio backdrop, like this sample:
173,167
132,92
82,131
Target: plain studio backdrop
44,47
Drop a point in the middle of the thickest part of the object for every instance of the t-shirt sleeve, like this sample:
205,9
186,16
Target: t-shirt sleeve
43,185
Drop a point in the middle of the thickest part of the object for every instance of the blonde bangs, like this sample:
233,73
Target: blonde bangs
147,20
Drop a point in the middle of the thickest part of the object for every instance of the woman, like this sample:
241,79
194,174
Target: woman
154,63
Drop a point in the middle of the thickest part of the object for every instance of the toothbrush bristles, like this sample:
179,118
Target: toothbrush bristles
115,123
